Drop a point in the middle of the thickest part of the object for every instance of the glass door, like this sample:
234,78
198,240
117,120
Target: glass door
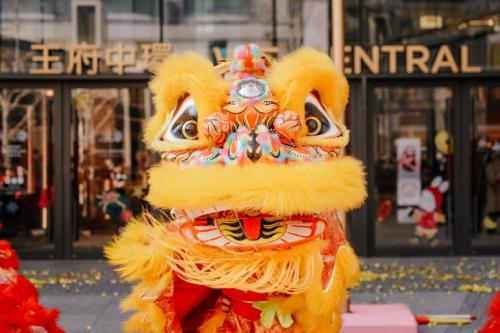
26,169
485,165
110,162
412,167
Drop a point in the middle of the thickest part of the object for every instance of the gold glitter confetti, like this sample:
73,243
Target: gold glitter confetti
476,288
442,275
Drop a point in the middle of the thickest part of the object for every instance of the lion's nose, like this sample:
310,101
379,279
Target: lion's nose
254,149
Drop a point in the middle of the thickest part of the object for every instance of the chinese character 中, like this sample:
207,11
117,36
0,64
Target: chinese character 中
120,57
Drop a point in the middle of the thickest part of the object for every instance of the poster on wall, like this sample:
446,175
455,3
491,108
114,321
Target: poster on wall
13,166
408,177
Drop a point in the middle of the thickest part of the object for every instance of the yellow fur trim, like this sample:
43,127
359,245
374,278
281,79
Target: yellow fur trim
178,75
134,256
145,293
302,72
318,309
214,322
138,259
134,302
149,320
287,189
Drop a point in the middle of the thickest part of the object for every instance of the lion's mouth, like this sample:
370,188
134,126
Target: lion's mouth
251,230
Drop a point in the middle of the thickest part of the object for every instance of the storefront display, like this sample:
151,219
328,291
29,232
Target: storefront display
486,165
418,71
408,121
111,162
25,160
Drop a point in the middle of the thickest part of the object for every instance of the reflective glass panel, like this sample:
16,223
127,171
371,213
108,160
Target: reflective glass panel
428,22
485,164
413,167
110,161
26,192
134,31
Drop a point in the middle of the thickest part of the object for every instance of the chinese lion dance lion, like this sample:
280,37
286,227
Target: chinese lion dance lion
252,168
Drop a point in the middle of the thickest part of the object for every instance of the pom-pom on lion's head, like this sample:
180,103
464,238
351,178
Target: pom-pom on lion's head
251,158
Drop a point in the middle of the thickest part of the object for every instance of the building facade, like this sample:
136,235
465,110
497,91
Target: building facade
425,102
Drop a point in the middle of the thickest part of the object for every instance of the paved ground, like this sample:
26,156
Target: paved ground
87,291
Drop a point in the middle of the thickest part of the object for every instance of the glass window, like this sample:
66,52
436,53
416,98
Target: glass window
201,25
315,21
351,22
63,24
138,8
111,161
413,164
26,169
119,6
428,22
86,24
486,166
188,25
218,7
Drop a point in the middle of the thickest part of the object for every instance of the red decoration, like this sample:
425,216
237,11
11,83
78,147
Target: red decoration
241,302
126,215
46,198
20,311
493,323
384,210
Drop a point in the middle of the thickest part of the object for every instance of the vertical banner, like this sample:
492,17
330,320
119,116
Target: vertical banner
409,179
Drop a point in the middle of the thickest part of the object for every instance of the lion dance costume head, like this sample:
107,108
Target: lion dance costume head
252,169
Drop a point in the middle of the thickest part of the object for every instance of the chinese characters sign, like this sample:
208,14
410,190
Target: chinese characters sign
90,59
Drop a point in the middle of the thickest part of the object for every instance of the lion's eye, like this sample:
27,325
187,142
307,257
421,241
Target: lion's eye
184,124
318,121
